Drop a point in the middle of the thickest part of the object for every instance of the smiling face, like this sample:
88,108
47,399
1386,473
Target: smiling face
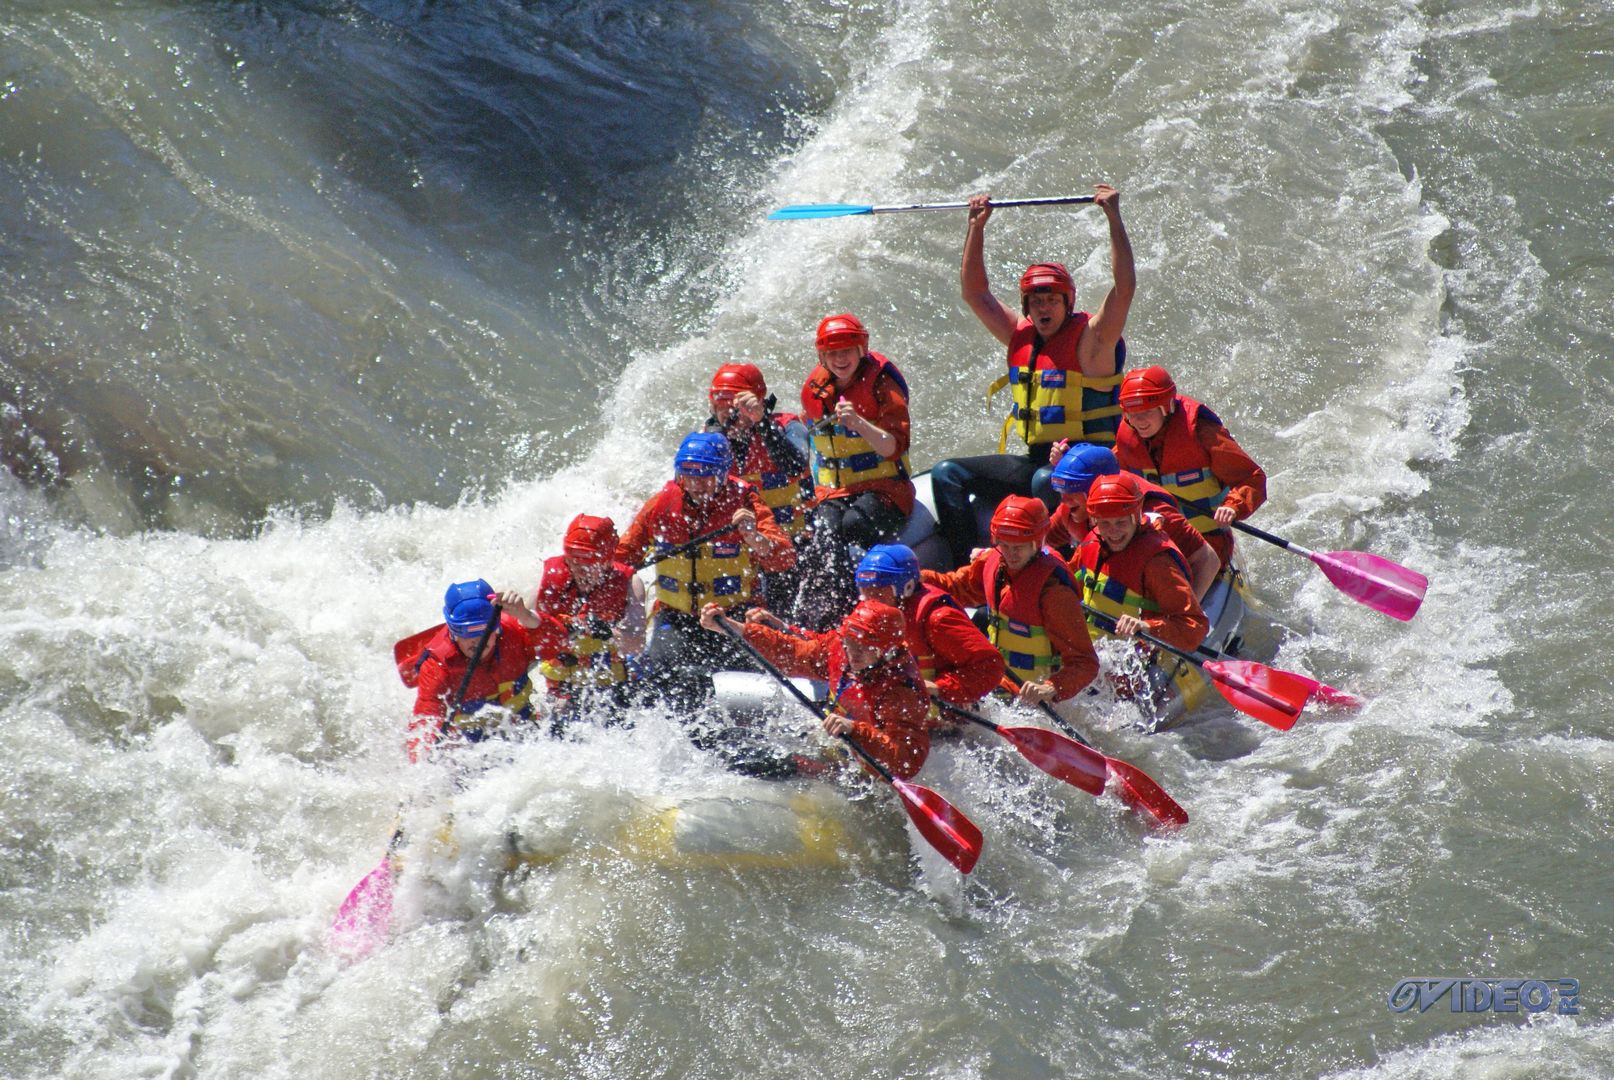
841,363
1116,532
1146,422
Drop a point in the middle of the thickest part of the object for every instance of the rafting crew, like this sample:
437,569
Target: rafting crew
1064,372
1034,609
1130,571
1075,469
1174,441
703,497
771,454
495,629
595,607
856,402
875,692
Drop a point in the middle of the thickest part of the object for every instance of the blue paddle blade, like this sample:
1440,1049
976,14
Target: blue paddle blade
818,210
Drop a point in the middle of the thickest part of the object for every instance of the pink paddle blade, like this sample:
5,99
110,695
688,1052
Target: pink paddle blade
1271,696
943,824
1138,790
365,917
1060,756
1382,585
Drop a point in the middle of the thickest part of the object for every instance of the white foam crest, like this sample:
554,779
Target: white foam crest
1569,1048
777,273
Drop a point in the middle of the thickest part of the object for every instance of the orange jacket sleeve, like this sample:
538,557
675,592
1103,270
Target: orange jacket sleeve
1245,480
896,731
966,584
1063,618
968,666
807,657
1180,621
782,555
637,541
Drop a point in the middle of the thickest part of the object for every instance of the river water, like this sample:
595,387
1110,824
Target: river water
310,308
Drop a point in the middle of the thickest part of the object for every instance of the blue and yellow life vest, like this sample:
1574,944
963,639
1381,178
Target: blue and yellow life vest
718,572
1112,582
1015,624
1053,398
841,459
1184,465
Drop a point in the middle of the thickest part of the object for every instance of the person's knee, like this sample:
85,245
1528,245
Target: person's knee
948,475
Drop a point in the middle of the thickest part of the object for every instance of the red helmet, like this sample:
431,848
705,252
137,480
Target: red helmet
734,379
590,539
1051,276
1019,519
842,332
874,625
1115,496
1147,388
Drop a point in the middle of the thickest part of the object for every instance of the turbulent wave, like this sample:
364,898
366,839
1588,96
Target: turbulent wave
283,328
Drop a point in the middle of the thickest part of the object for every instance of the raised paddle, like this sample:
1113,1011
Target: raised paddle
829,210
1134,787
1386,587
1058,755
941,823
1271,696
365,917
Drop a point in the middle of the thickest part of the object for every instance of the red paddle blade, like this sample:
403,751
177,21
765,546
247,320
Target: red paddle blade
1330,696
1382,585
1060,756
365,917
943,824
407,652
1139,792
1267,694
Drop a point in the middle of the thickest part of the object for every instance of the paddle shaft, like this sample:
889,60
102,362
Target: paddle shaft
813,706
687,545
1056,200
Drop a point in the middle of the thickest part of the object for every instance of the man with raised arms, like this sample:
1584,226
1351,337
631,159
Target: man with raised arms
1064,371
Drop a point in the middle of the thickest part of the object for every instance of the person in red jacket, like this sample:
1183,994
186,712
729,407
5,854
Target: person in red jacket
875,692
857,404
957,662
595,610
770,453
498,685
1130,570
1174,441
1075,469
704,497
1064,369
1035,610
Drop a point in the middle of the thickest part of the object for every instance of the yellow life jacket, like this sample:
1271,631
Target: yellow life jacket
718,572
1053,398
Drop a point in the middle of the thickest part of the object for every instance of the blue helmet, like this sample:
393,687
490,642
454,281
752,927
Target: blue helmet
1082,464
888,564
466,607
703,453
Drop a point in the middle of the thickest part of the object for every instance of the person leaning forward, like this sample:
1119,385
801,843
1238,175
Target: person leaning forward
702,498
875,693
1035,611
1064,370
